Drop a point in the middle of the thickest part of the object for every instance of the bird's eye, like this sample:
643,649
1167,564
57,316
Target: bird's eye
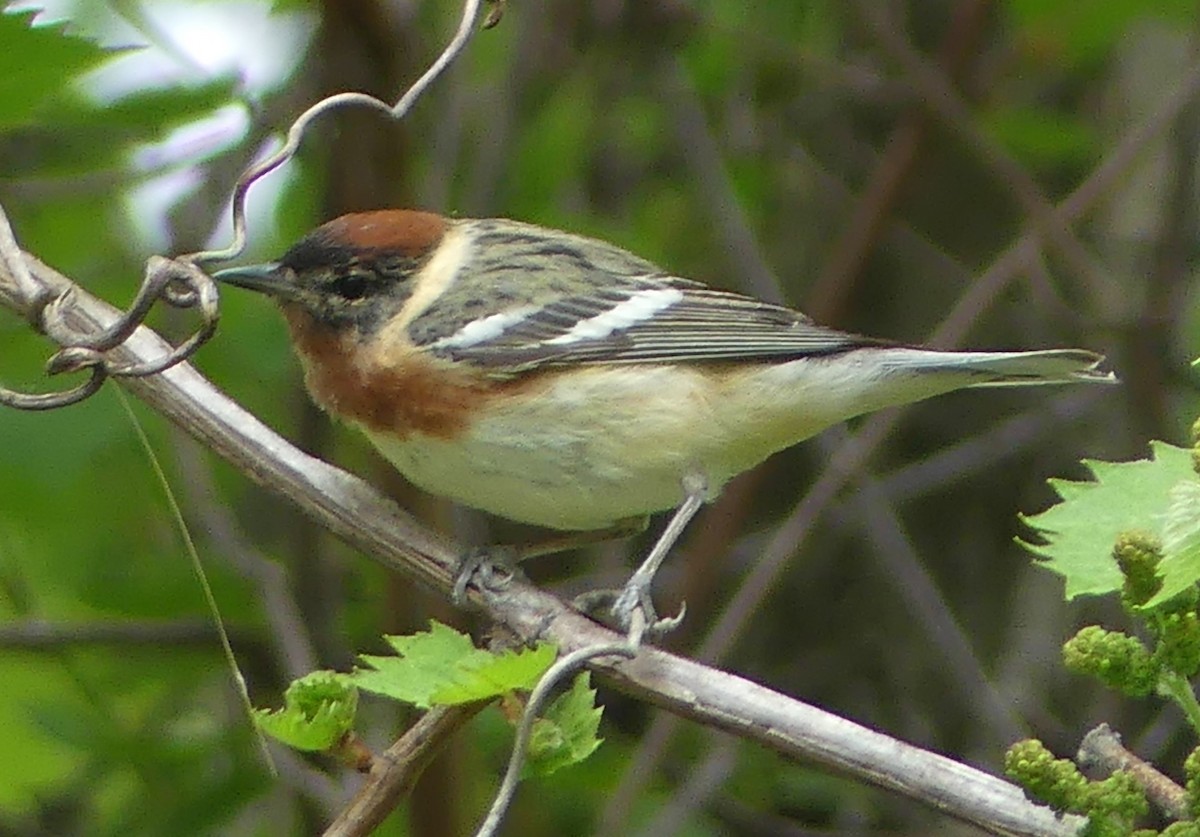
352,286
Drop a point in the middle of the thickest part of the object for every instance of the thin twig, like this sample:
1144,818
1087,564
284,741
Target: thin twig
878,519
706,777
210,599
1014,435
562,669
1102,748
397,769
40,634
702,156
297,129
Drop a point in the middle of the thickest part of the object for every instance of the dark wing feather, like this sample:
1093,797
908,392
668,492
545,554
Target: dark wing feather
701,324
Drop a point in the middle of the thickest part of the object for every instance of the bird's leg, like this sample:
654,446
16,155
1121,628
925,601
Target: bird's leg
633,608
492,567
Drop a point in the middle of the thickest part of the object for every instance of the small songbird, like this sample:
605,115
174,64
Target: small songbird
561,381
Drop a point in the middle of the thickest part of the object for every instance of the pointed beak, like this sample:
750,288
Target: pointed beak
268,278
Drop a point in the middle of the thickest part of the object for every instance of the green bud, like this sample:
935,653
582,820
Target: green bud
1119,796
1117,660
1056,782
1138,554
1191,769
1178,641
1101,826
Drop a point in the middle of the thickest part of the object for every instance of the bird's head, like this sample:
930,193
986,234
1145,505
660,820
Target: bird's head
353,273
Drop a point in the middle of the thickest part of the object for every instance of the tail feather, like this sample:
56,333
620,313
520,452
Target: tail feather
1048,366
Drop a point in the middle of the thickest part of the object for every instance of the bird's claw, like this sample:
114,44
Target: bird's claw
632,610
489,568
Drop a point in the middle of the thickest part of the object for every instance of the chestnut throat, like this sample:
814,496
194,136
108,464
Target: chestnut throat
400,391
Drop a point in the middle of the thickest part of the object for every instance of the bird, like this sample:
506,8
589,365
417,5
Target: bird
562,381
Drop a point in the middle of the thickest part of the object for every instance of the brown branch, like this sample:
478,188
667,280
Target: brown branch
1102,748
397,769
366,519
40,634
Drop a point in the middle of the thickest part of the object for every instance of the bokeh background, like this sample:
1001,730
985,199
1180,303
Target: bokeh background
1014,174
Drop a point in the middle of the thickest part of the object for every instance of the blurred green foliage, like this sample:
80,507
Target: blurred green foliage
599,117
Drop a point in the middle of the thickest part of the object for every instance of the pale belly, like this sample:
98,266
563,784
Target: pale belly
618,441
569,458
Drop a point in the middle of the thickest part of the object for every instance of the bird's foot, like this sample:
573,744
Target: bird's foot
488,568
630,609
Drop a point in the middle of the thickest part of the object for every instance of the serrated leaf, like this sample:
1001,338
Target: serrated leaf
503,673
443,666
1180,567
425,663
318,710
38,62
567,733
1080,530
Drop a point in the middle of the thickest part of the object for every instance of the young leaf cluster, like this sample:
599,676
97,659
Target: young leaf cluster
439,667
1135,530
1111,805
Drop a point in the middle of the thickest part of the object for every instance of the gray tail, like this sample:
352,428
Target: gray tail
1049,366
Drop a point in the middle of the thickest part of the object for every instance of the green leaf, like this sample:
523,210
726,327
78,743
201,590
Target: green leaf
36,63
567,733
318,710
501,674
444,666
1080,530
149,114
1180,567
